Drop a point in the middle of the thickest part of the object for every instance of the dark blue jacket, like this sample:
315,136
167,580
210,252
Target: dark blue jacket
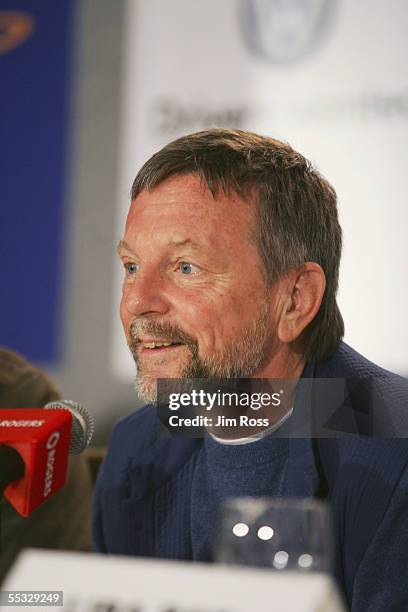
364,479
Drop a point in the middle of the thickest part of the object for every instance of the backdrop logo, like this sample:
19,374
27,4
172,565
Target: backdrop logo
15,28
283,31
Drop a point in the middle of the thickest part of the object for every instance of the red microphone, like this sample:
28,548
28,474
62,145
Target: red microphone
34,447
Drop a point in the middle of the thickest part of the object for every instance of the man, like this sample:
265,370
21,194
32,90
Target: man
64,521
231,255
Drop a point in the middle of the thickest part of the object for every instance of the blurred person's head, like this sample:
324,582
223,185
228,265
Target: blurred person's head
231,252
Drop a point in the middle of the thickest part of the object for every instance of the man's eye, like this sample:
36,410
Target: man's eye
188,268
131,268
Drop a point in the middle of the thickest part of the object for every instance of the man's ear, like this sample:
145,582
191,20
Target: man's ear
301,299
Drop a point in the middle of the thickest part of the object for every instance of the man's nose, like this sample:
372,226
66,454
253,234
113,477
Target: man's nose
146,295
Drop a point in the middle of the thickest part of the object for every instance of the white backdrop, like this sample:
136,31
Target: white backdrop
327,76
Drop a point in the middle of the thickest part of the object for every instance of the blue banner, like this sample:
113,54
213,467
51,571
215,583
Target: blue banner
35,69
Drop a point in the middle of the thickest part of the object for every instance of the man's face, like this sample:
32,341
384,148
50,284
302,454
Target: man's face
194,300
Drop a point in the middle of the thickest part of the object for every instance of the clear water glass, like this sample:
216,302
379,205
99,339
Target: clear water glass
282,534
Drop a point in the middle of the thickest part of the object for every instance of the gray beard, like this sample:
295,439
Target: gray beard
241,358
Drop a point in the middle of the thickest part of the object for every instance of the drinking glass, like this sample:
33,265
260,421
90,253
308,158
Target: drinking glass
282,534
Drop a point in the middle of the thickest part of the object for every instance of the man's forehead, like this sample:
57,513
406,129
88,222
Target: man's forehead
190,195
183,210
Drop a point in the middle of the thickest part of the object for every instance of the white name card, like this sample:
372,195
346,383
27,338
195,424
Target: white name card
99,583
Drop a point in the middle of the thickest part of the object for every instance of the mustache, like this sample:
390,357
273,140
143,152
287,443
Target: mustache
171,332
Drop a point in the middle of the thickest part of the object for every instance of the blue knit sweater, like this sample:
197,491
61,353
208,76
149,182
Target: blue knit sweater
256,469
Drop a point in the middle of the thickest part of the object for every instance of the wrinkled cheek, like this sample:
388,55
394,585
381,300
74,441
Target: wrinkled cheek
205,339
217,331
